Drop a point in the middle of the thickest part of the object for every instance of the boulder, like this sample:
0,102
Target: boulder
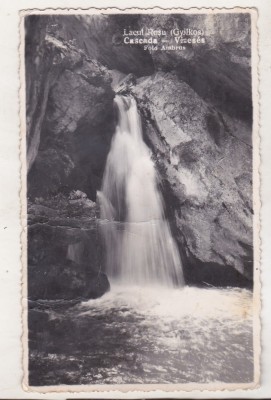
66,281
64,252
204,160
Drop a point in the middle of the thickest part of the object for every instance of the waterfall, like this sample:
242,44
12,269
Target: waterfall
139,245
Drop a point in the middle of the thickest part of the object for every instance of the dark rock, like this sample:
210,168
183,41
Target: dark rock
101,38
66,281
70,116
64,252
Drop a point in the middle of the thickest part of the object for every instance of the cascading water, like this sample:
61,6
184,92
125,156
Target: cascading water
139,245
158,335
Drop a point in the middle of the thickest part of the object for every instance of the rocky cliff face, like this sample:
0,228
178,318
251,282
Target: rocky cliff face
204,158
69,112
70,122
196,112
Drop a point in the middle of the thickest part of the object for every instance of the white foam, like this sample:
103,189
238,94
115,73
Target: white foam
176,304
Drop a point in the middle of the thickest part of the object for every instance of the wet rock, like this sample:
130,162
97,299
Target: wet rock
77,194
64,252
201,160
66,281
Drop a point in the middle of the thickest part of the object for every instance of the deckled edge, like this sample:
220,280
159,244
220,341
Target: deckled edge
255,75
23,202
256,147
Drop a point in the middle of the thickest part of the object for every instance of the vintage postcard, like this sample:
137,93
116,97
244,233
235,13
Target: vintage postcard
140,157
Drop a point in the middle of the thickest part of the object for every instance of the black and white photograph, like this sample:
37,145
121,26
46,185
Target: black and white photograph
141,252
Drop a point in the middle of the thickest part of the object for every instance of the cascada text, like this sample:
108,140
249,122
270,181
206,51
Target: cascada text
150,40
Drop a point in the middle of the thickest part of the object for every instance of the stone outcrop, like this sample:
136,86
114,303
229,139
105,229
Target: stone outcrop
203,156
64,250
70,115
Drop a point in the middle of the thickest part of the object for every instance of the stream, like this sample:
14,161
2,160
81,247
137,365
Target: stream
138,334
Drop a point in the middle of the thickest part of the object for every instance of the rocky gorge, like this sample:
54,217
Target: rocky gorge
196,111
